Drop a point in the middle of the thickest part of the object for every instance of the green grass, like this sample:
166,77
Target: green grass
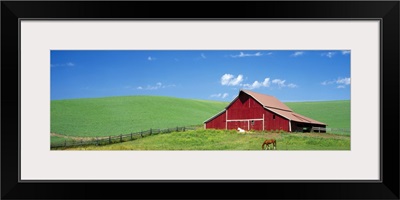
229,140
122,115
334,113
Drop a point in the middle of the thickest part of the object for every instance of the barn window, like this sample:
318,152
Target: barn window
273,116
252,122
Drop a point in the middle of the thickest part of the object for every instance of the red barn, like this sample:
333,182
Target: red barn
255,111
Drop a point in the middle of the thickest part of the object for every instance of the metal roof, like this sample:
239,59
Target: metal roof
290,115
267,100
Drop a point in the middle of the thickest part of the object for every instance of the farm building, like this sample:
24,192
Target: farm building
255,111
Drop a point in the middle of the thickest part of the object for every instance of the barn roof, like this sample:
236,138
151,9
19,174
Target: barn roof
295,116
273,104
267,100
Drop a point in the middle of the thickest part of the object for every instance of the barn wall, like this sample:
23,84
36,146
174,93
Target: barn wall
238,124
245,107
279,123
218,122
258,125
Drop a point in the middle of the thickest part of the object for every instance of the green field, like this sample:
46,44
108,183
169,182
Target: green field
85,119
334,113
122,115
59,140
229,140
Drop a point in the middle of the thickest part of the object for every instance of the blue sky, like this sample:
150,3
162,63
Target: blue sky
301,75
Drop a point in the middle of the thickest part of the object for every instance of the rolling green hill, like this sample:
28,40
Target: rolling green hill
121,115
336,114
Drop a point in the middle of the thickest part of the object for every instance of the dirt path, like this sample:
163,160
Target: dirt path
76,138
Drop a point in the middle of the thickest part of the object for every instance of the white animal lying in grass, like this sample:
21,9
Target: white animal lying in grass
241,130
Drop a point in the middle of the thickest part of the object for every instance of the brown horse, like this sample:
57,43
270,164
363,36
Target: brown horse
267,143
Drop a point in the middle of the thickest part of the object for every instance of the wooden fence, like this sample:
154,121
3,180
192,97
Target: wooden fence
117,138
338,130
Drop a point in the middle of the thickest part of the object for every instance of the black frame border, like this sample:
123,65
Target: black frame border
385,11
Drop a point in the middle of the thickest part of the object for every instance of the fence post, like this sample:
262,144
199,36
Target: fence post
131,136
184,129
120,138
109,139
141,134
177,129
97,141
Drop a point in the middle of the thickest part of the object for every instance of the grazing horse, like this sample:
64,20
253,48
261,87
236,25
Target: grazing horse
267,143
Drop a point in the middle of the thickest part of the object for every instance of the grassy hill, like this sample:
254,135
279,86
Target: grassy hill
122,115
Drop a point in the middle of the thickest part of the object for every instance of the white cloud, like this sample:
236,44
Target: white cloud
203,56
327,82
341,82
297,53
68,64
230,80
265,83
255,85
345,81
345,52
279,82
157,86
150,58
220,95
291,85
329,54
241,55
